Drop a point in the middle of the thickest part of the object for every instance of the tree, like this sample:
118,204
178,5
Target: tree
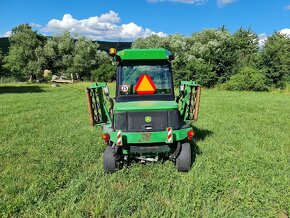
85,57
105,72
21,59
214,47
64,55
175,43
58,54
201,72
276,59
153,41
246,46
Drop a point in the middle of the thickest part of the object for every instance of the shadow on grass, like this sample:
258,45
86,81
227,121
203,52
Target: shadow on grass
20,89
200,135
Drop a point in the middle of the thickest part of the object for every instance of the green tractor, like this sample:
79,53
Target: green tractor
145,121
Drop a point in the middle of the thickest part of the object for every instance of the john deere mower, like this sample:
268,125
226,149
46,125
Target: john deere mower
145,121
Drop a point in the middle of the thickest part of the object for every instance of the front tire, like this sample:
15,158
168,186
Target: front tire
183,160
110,163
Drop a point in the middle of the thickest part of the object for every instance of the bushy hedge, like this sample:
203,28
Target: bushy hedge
248,79
105,72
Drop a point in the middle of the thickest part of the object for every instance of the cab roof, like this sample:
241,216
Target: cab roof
144,54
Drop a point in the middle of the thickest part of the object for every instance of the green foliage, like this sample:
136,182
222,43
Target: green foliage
178,46
216,48
106,72
153,41
31,54
64,55
51,160
4,44
211,57
103,46
276,59
85,57
249,79
175,43
58,54
246,46
201,72
21,60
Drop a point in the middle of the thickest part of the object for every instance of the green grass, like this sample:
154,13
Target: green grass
51,160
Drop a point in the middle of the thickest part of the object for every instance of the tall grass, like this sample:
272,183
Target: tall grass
51,160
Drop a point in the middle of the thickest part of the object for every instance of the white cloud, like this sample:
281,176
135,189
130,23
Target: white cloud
180,1
262,39
103,27
222,3
35,25
7,34
285,31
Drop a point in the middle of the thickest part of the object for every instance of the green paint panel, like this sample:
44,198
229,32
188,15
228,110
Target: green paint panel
98,85
144,54
145,106
149,137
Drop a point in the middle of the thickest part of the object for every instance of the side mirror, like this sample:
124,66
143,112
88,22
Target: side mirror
171,58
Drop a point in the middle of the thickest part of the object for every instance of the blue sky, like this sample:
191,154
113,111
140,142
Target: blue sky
126,20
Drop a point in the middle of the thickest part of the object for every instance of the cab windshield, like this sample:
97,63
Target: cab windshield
158,79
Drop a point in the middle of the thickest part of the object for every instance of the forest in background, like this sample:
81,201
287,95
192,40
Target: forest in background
212,57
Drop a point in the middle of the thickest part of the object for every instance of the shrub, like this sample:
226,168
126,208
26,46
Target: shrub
201,72
276,60
105,73
249,79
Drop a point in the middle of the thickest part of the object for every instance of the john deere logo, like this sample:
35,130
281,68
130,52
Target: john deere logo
148,119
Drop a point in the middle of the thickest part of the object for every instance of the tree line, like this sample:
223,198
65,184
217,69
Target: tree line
215,57
212,57
31,53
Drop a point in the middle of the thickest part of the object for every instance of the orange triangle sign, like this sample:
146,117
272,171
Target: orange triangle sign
145,85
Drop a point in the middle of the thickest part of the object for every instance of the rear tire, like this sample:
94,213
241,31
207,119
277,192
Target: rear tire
183,160
110,164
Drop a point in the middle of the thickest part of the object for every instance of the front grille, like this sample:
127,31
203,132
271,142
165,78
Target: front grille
135,121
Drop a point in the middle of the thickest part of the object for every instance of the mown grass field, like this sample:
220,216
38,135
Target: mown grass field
51,160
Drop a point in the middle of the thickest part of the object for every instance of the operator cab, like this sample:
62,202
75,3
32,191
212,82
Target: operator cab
144,75
144,80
